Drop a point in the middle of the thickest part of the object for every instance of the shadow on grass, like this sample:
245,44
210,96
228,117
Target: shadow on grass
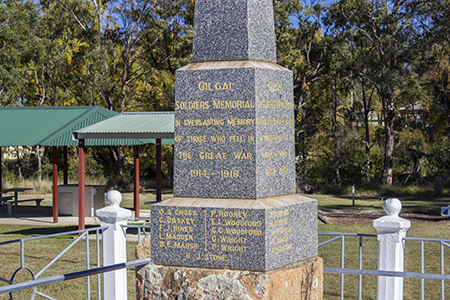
37,231
350,207
408,203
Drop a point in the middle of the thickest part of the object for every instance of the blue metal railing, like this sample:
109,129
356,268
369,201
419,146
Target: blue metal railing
82,234
86,273
140,228
360,271
69,276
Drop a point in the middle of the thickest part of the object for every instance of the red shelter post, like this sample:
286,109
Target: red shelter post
65,165
158,170
55,184
81,185
136,181
1,175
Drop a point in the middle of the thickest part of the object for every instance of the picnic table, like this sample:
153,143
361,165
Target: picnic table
16,196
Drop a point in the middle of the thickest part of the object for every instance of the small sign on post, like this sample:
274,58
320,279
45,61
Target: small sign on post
353,195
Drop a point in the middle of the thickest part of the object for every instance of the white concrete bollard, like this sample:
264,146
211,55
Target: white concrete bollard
114,245
391,230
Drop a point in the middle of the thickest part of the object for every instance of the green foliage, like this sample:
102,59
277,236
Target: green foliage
356,65
440,161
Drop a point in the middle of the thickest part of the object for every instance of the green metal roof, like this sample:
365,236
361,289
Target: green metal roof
48,126
143,126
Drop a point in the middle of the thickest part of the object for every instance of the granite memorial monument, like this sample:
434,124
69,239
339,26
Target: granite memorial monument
234,205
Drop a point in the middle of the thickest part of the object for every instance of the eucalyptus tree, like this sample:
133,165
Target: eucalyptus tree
119,54
386,28
434,16
18,47
301,47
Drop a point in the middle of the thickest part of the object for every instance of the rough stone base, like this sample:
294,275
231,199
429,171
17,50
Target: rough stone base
301,280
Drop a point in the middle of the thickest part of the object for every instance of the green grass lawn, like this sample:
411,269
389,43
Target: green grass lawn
375,203
331,255
39,253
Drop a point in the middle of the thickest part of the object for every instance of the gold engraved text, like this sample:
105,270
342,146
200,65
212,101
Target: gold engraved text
275,138
233,248
212,155
281,230
279,249
279,240
274,86
238,122
275,122
184,155
196,138
243,155
218,86
228,104
229,214
279,222
274,104
218,139
192,105
177,245
279,213
204,122
236,138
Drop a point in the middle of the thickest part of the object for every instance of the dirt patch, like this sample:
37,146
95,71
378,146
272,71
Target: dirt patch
367,216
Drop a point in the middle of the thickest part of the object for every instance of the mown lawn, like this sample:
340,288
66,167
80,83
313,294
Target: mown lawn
41,252
331,255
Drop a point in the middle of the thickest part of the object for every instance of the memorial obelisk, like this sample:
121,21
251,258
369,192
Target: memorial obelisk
234,212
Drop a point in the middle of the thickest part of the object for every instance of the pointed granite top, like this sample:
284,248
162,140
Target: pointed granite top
234,30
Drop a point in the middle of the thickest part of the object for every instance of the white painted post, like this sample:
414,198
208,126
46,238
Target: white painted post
114,246
391,230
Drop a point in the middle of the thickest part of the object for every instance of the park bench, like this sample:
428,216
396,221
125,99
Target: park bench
37,200
4,199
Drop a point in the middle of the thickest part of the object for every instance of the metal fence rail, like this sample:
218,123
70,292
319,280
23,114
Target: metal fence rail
69,276
86,273
360,271
341,237
141,228
443,243
82,234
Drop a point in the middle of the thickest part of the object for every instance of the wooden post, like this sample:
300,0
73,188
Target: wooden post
65,165
158,170
55,185
1,175
81,182
136,181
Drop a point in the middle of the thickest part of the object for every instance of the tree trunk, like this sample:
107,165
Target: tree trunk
19,163
38,156
389,116
117,156
335,138
366,103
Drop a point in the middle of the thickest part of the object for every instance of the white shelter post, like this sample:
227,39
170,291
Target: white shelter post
391,229
114,245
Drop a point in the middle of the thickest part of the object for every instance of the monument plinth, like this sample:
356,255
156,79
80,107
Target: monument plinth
234,130
234,204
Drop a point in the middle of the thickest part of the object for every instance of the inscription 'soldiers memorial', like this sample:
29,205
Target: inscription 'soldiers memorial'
234,199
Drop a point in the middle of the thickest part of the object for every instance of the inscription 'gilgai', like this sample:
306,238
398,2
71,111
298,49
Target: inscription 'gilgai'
218,86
